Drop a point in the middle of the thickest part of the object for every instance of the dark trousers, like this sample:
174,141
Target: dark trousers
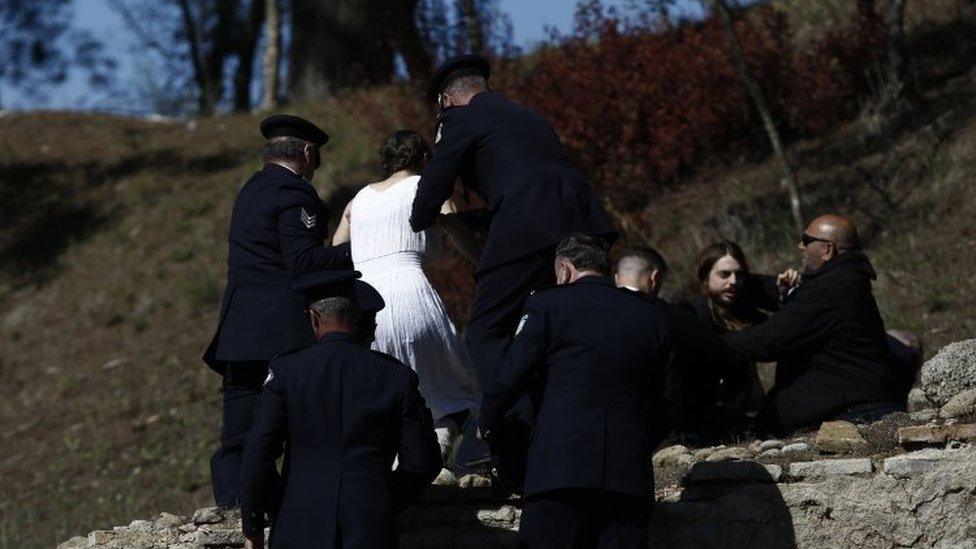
580,518
500,294
241,390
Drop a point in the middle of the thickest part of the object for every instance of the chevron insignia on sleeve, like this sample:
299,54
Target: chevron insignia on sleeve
307,220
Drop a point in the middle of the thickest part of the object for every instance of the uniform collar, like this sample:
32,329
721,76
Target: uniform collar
595,279
272,167
337,336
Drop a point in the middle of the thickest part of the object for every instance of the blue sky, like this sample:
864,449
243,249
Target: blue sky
529,20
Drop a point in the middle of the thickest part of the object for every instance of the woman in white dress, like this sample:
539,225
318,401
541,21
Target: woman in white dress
414,326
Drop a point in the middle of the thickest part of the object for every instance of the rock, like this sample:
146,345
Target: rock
926,415
669,456
114,363
831,467
445,478
732,471
208,515
795,447
141,525
872,511
771,453
474,481
221,537
917,400
770,445
505,514
702,454
756,446
837,437
935,434
924,507
951,371
76,542
960,405
914,463
735,452
167,520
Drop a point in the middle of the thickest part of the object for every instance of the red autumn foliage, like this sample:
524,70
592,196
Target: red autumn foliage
638,104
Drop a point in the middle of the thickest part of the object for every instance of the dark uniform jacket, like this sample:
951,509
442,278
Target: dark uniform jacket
343,412
277,234
512,158
592,357
829,343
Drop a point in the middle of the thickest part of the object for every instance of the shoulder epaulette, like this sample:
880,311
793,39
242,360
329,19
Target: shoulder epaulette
549,287
286,353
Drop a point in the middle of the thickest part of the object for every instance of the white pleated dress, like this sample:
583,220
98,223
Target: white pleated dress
414,326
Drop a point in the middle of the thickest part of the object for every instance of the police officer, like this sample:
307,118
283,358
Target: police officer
370,303
592,358
277,232
511,157
340,413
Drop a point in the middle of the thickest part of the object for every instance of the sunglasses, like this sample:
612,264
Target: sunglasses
807,239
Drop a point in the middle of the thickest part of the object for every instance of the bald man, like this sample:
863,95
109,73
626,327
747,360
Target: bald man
642,270
829,342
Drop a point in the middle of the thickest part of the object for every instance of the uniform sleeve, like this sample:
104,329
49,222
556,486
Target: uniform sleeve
660,422
802,323
265,443
419,455
524,356
300,236
437,182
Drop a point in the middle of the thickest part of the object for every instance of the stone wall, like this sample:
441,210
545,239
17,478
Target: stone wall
842,486
925,498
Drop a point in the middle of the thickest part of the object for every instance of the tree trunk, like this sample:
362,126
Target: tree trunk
336,45
473,25
200,74
896,59
404,37
787,177
272,54
249,33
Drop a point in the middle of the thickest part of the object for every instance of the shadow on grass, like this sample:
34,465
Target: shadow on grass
32,255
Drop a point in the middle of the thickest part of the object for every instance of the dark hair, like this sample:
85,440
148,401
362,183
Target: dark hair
647,257
713,252
585,252
404,150
284,148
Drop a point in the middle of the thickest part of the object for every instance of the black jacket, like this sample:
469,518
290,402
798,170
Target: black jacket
512,158
592,357
277,233
830,346
343,412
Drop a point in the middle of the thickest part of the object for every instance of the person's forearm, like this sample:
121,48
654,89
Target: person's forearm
462,236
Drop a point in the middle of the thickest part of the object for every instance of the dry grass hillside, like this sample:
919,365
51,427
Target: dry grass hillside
112,258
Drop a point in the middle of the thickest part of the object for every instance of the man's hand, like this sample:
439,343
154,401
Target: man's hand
254,542
786,281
